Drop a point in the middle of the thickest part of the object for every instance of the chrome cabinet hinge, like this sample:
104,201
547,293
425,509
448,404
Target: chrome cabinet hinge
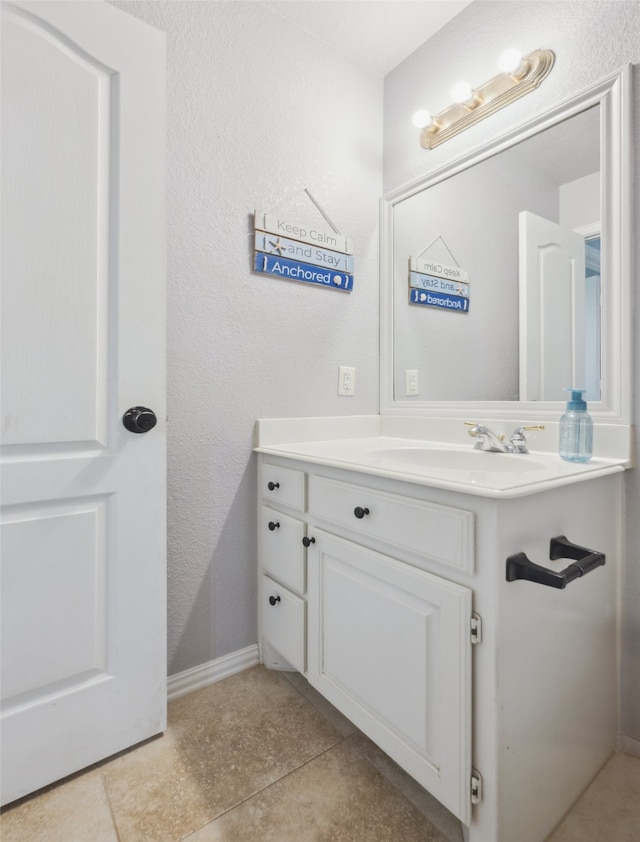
476,628
476,786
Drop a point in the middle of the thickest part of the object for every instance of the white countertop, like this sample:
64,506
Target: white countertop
439,464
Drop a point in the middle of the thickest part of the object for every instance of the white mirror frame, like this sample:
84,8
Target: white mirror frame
613,95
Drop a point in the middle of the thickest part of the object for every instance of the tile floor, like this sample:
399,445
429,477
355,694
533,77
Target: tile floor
261,757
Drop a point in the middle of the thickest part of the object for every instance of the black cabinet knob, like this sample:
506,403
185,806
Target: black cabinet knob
139,419
359,512
273,525
273,600
308,541
273,485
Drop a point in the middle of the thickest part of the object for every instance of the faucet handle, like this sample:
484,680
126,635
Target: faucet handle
478,429
518,442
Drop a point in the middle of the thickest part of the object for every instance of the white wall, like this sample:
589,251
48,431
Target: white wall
257,111
580,202
590,39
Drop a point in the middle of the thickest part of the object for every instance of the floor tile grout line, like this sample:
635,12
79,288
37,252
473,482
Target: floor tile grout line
363,754
103,779
265,788
353,744
341,739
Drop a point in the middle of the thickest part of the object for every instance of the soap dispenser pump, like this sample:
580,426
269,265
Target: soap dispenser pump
576,429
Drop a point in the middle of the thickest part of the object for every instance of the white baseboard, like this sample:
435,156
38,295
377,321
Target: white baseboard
630,746
201,676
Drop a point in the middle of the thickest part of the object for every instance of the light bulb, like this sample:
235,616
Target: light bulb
422,119
462,93
511,61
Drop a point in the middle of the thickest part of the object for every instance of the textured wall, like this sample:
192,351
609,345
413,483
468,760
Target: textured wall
590,39
257,111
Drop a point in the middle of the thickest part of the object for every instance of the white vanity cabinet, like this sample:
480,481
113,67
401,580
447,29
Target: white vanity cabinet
387,642
383,608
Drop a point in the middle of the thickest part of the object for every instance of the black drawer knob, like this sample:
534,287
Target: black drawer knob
273,600
273,525
359,512
308,541
273,485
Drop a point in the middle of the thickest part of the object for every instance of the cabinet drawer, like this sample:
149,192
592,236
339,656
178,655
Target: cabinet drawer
281,550
440,533
283,622
282,486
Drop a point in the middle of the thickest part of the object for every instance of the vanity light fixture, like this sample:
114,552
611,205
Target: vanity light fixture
519,76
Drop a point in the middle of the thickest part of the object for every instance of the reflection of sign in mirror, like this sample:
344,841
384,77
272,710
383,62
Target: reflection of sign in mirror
302,253
433,284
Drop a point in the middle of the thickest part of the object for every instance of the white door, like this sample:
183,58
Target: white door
389,646
552,309
83,340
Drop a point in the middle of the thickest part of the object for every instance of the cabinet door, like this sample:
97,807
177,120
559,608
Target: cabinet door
389,646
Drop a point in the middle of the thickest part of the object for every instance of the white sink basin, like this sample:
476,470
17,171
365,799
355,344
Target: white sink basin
442,464
459,460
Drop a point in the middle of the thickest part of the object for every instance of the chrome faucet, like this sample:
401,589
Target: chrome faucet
486,438
489,441
518,442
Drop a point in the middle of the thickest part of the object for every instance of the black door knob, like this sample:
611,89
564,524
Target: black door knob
308,541
273,600
273,485
359,512
273,525
139,419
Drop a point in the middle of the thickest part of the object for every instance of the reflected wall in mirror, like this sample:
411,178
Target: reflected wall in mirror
538,219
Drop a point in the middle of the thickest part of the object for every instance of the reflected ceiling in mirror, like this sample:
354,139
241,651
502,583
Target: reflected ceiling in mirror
500,214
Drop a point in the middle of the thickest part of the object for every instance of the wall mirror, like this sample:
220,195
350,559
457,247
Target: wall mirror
539,220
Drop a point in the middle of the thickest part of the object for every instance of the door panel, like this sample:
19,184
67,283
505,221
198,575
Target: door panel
66,98
48,639
83,339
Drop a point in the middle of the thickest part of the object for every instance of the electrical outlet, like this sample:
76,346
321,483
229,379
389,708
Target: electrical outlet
410,382
346,380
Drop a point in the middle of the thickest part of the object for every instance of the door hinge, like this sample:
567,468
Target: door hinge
476,628
476,786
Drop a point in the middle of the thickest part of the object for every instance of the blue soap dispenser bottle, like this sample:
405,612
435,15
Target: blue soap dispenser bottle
576,429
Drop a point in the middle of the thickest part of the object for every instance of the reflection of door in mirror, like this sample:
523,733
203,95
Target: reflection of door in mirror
592,317
552,298
560,296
